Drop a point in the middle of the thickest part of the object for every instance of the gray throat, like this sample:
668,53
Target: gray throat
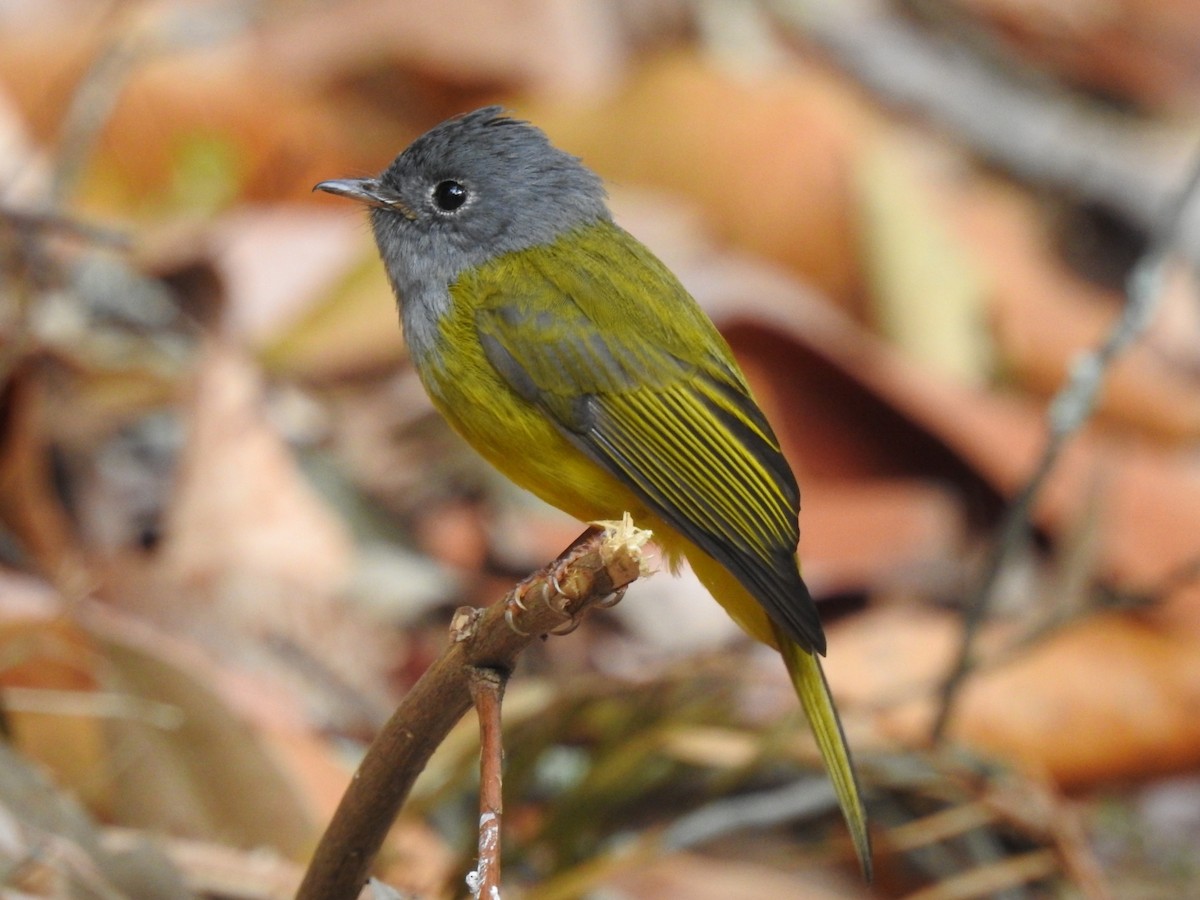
421,312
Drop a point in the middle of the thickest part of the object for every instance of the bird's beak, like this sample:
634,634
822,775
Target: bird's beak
368,191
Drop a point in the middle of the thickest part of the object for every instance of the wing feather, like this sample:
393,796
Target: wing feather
667,414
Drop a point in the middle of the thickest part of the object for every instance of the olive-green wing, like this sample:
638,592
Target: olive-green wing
655,398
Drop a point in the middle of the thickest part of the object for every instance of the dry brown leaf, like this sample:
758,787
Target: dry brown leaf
698,878
182,97
929,297
1045,315
29,506
416,859
1143,50
145,728
872,533
1104,699
274,261
253,562
215,870
241,505
53,655
885,664
543,46
210,778
775,179
303,286
52,848
353,328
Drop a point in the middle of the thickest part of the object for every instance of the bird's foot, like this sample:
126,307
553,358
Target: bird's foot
516,601
612,599
548,587
551,589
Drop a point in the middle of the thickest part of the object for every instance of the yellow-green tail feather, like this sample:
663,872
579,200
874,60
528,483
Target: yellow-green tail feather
813,690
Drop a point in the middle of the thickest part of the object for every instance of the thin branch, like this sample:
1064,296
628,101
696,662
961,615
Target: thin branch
1041,133
800,801
487,693
91,106
599,564
47,221
1067,413
138,36
94,704
989,880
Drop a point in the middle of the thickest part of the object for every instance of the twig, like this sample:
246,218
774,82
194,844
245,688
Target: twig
803,800
589,571
91,106
39,221
800,801
936,827
95,704
1041,133
1034,808
487,693
145,33
989,880
1067,413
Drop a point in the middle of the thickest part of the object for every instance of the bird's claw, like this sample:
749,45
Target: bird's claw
550,587
567,627
515,601
612,599
509,602
573,620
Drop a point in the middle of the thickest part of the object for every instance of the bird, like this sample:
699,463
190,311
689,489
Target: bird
575,362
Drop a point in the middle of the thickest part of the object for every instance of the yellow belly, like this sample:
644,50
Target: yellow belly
514,435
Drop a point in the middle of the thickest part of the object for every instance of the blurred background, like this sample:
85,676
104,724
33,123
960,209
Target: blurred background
233,530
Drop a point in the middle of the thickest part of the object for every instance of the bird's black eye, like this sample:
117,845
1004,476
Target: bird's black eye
449,195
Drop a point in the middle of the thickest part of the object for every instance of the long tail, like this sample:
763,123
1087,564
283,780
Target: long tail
813,691
807,678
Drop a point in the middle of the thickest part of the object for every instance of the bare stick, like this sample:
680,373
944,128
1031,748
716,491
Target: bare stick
136,37
588,572
1067,413
1041,134
44,221
487,693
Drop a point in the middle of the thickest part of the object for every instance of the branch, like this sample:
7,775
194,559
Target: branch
1039,134
487,693
46,221
600,563
1066,415
138,35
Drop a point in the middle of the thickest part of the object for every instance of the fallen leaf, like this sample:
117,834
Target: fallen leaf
695,876
1103,699
1134,49
1045,316
353,328
29,506
211,777
928,295
775,180
50,656
252,560
52,847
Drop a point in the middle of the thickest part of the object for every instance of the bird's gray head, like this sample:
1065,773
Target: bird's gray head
468,190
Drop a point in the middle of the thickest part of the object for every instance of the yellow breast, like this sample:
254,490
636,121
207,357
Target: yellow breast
511,433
